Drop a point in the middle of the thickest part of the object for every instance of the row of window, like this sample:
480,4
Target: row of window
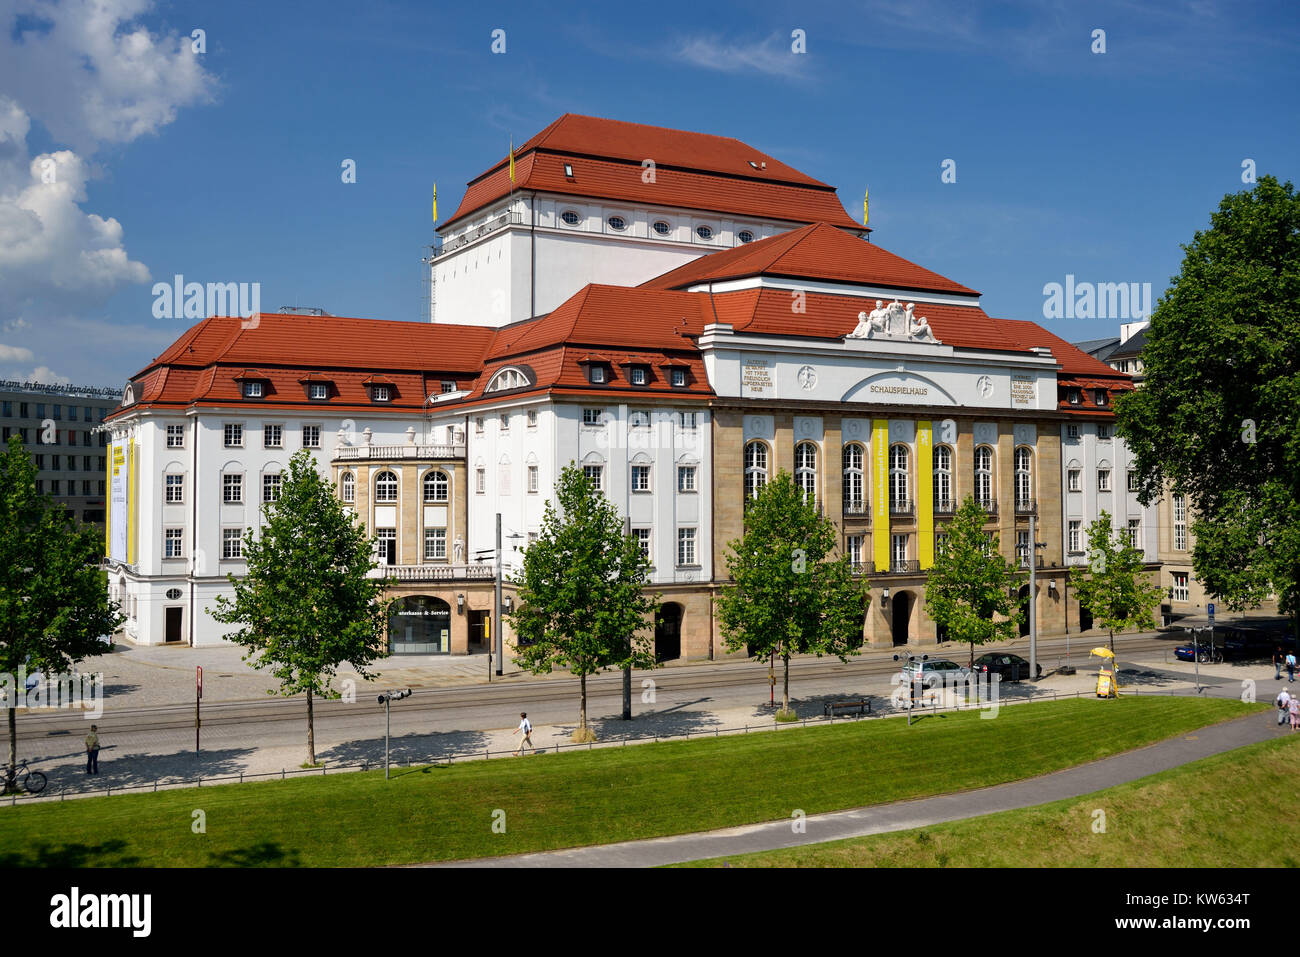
571,217
232,542
854,456
59,436
1075,541
233,436
1074,480
637,419
600,373
57,487
435,486
321,391
1103,432
83,413
88,463
687,538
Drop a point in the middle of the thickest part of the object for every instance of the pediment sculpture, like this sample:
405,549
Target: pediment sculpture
894,321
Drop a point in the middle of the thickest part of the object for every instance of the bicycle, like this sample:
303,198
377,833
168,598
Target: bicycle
33,782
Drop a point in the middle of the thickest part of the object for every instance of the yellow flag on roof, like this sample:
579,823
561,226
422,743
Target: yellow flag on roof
865,194
512,160
435,202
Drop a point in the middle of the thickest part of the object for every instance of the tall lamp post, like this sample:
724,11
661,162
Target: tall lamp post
915,682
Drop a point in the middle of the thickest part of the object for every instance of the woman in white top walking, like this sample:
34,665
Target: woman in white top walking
526,729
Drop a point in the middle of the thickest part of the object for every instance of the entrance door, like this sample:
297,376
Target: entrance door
668,632
174,623
477,640
1085,619
1024,607
902,614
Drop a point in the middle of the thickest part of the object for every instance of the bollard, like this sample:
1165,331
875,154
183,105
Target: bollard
155,785
241,777
282,774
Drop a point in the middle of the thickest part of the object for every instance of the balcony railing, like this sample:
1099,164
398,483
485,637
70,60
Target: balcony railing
464,239
904,566
990,505
862,568
1026,506
1023,561
856,505
944,506
439,572
897,507
362,452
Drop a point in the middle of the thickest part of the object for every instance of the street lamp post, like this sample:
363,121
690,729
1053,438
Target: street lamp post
387,699
909,659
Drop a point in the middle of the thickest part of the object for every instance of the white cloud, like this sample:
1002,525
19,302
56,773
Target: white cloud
14,354
773,55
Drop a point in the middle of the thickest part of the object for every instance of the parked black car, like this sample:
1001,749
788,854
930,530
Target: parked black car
1010,667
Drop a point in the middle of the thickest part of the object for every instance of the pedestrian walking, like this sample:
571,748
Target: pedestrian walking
92,750
525,729
1283,702
1290,666
1295,713
1277,662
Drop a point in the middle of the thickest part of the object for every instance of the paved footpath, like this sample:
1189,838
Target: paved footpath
904,815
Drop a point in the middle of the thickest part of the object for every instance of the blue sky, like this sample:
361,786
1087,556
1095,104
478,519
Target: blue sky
226,166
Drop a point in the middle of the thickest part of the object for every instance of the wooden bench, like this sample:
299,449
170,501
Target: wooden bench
861,706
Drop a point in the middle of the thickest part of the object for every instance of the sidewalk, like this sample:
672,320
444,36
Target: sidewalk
905,815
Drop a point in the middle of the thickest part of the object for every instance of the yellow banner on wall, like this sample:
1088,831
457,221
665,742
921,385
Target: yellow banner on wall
880,493
132,502
924,493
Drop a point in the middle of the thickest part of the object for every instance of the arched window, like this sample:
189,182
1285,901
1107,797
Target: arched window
805,470
898,499
1024,479
755,469
984,476
855,502
435,486
348,487
386,487
942,478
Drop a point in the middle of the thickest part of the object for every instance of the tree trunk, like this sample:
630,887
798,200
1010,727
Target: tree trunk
1112,645
582,710
311,732
10,776
785,687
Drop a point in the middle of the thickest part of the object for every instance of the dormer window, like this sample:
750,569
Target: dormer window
568,171
1101,396
448,385
253,390
509,378
597,374
1073,395
638,375
678,378
380,393
318,390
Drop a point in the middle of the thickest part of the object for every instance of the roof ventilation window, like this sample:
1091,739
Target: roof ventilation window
662,228
570,217
745,236
704,232
617,222
568,171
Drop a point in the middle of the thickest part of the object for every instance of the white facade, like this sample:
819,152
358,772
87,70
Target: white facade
1094,478
521,258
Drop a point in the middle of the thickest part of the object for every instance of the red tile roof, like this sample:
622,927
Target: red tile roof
819,252
692,170
1073,361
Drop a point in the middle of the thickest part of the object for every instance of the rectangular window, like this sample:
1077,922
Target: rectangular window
252,390
899,551
532,418
592,417
853,548
386,549
532,478
379,393
8,409
480,481
173,542
689,421
58,412
598,374
175,489
40,463
1132,481
22,410
273,436
40,410
638,375
504,422
640,478
232,543
1076,540
1134,532
679,378
1101,396
1074,396
435,544
685,546
234,435
686,478
232,488
1180,523
56,462
532,538
478,425
940,543
642,536
1180,587
1071,431
40,487
1103,432
271,488
100,487
311,436
593,474
1022,549
318,390
85,438
1074,479
1103,480
448,385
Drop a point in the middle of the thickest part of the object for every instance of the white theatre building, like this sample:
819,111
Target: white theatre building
680,315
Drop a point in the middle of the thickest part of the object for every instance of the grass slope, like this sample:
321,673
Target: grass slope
601,796
1232,810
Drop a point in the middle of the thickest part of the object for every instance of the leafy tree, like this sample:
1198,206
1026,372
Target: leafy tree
54,604
790,597
582,601
1117,591
970,588
307,603
1218,416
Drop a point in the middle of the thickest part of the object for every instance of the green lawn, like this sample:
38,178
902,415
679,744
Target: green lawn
1232,810
600,796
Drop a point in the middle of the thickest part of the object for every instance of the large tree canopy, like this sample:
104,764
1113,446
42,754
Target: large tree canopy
1218,416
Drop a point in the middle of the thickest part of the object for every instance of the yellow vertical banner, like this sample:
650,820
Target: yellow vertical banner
131,503
108,503
925,493
880,493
